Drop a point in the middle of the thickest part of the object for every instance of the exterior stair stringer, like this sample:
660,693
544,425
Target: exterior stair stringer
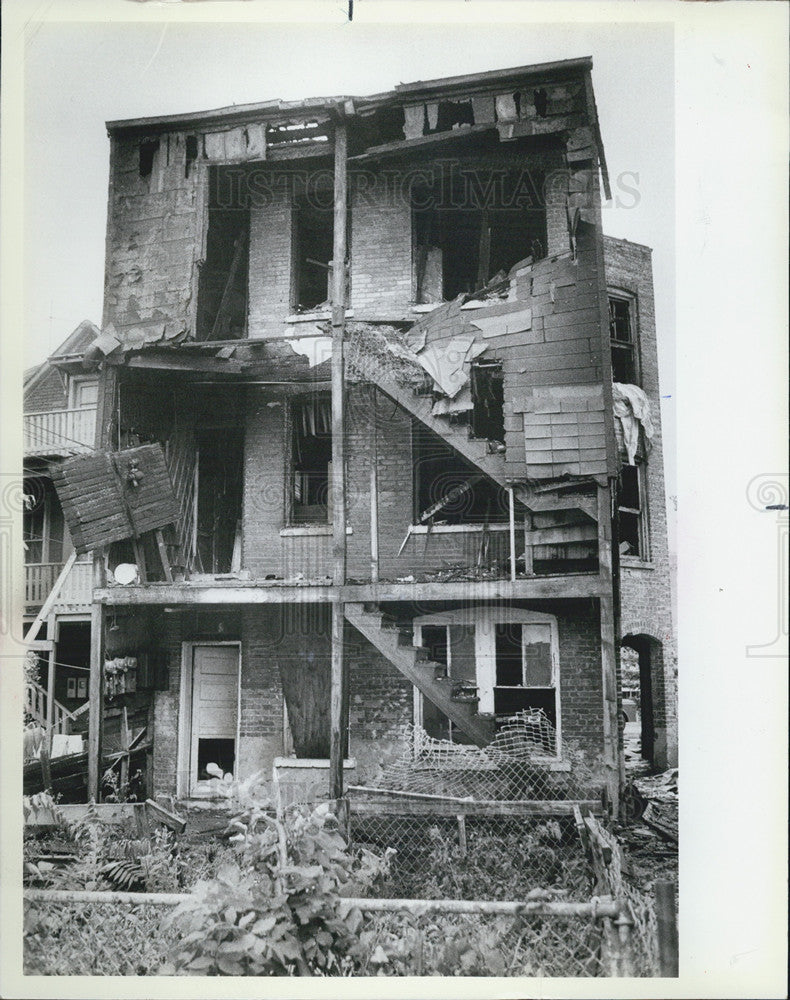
420,672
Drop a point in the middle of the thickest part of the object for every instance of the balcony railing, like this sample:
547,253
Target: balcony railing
59,432
76,592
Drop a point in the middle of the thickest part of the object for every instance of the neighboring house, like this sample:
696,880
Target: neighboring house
446,544
59,421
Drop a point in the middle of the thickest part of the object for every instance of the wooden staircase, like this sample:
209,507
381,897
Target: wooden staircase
392,640
478,451
36,706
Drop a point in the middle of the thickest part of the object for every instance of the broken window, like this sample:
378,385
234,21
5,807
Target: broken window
219,498
631,508
311,420
223,283
622,341
525,676
504,660
449,490
313,246
488,416
468,227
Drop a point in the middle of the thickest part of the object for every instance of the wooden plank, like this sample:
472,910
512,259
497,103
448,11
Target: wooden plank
49,603
263,592
160,542
667,928
159,814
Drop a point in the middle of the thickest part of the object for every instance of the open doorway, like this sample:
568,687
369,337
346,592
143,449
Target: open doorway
640,665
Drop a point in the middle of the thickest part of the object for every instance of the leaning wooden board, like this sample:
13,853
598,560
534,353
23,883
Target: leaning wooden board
109,496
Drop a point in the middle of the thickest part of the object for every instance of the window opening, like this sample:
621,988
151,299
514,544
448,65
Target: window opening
148,149
313,249
219,499
42,523
469,227
223,283
630,502
524,670
453,648
451,487
488,415
312,459
621,340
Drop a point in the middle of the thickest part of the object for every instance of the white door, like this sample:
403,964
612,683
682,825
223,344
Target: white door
215,700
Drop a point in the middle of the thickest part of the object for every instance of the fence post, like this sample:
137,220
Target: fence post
462,833
667,928
625,926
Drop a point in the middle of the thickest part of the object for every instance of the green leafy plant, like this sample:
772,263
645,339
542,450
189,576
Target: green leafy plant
279,908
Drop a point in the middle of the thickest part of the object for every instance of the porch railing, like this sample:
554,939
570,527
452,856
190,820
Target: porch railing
59,432
75,593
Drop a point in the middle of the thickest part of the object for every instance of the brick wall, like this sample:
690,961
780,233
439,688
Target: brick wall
154,240
271,237
381,251
646,596
49,393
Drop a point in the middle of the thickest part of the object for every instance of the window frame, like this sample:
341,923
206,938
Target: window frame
290,468
642,513
484,619
631,299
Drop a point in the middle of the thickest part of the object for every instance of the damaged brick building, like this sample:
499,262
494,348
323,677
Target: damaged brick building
378,436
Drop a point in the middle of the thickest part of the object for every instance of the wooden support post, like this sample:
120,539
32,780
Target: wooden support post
96,683
49,603
528,570
160,541
512,523
51,676
338,679
667,928
608,651
374,493
43,757
125,742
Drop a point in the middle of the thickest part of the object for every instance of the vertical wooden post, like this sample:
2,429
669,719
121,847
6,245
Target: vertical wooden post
338,679
96,684
528,568
667,929
50,677
512,519
374,493
608,639
106,417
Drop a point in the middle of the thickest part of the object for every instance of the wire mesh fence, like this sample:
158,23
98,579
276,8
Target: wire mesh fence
472,857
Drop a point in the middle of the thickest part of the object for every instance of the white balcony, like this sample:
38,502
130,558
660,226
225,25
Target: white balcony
75,594
59,432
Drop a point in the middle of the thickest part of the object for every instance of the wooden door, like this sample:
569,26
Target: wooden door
215,696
